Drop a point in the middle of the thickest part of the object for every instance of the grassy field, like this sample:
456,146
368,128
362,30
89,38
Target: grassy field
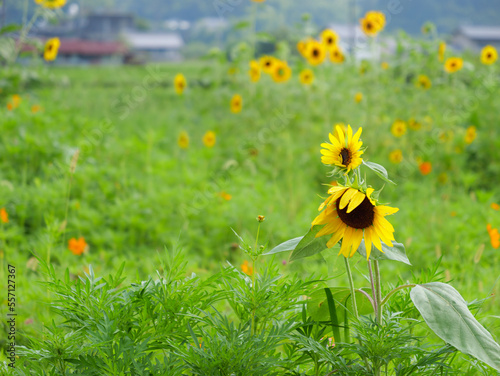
135,191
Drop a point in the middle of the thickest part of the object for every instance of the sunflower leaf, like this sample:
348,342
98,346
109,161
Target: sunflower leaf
285,246
447,314
309,245
379,170
396,252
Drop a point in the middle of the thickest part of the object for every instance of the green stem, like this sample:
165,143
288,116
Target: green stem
395,291
351,285
378,290
254,258
374,293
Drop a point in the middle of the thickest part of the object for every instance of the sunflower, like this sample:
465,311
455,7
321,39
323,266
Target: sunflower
423,82
51,4
470,134
329,38
384,65
344,150
306,77
236,104
453,64
281,72
267,64
398,128
441,50
180,83
183,140
396,156
489,55
254,71
51,49
315,52
378,18
336,55
209,139
348,215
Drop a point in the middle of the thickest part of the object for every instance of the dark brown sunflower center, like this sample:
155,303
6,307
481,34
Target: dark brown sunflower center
369,26
50,47
330,40
315,52
488,55
268,63
346,156
361,217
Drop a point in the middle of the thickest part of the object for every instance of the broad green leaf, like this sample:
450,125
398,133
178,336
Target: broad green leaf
285,246
309,245
241,25
395,253
379,170
317,305
447,314
10,28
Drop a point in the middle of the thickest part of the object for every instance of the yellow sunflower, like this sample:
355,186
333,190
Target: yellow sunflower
453,64
489,55
398,128
348,215
378,19
209,139
329,38
470,134
51,4
236,104
306,77
358,97
315,53
396,156
267,64
254,71
336,55
281,72
180,83
51,49
344,150
423,82
183,140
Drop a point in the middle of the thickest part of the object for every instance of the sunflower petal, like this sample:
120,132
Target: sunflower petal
357,237
347,197
356,200
368,242
336,236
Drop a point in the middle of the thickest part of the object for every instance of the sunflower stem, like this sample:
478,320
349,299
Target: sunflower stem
378,292
374,293
254,258
351,285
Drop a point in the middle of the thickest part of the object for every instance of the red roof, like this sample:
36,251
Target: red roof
76,46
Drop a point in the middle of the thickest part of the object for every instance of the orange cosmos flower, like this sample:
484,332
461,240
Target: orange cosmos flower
246,268
4,216
77,247
425,168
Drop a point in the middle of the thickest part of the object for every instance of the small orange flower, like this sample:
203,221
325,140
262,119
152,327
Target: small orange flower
246,268
77,247
425,168
10,106
495,206
226,196
494,236
4,216
36,108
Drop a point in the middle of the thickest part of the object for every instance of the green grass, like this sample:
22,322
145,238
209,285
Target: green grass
135,191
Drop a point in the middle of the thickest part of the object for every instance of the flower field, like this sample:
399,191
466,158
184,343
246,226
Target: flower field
145,209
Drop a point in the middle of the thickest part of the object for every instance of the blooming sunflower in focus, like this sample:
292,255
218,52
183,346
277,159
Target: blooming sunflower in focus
423,82
344,150
254,71
51,4
281,72
453,64
336,55
180,83
267,63
329,38
315,52
236,104
51,48
349,215
489,55
306,77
